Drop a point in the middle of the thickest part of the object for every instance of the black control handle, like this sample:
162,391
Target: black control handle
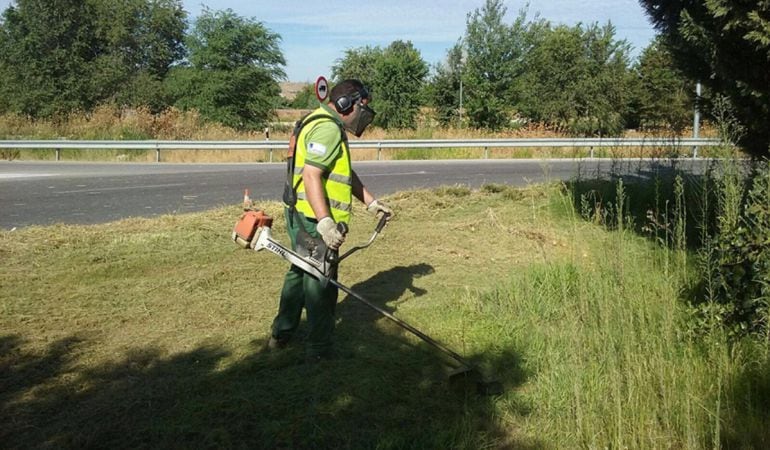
333,256
342,227
383,222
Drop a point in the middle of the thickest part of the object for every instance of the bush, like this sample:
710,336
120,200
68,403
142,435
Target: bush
9,154
738,258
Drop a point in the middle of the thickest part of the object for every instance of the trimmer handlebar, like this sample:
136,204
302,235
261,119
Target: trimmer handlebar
254,231
343,228
377,230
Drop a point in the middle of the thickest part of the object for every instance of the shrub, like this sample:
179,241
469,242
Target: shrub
738,260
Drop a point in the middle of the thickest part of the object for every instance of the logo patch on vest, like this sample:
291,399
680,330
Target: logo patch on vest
316,148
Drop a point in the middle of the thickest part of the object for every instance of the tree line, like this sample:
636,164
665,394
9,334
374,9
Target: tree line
578,80
73,55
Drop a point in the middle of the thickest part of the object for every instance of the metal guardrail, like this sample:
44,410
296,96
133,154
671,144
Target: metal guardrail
486,144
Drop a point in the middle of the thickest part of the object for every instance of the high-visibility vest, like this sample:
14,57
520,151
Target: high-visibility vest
337,183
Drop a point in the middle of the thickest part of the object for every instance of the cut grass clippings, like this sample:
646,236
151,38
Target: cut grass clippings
151,333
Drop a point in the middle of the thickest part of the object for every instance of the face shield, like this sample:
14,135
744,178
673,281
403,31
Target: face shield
362,116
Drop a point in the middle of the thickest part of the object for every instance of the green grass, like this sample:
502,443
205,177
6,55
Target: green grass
150,333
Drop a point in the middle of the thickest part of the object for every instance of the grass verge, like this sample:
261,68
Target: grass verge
150,333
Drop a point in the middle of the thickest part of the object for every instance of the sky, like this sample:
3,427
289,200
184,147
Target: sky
316,34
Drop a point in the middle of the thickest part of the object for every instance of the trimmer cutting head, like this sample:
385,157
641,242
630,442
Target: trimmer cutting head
468,379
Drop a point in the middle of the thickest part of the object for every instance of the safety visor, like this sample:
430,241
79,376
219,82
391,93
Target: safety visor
363,93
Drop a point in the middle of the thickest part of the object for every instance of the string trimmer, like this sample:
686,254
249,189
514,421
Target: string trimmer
254,231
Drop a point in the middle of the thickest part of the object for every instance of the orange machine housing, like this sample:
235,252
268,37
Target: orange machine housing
249,223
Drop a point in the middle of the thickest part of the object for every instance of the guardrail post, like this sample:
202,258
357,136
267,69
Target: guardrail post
379,151
58,154
486,152
695,151
270,155
592,152
157,152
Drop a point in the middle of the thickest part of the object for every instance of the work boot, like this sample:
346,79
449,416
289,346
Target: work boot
274,344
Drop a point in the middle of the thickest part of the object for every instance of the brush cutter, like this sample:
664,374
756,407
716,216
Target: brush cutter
253,231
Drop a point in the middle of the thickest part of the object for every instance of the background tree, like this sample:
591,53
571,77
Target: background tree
44,55
578,80
56,57
305,98
444,87
358,63
726,46
666,97
233,71
142,40
395,76
399,75
495,56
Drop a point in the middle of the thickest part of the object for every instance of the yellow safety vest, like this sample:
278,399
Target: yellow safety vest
337,183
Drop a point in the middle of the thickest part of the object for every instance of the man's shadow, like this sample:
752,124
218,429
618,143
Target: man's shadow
381,289
389,393
363,330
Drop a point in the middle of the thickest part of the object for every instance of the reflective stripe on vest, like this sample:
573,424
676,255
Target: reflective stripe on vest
331,176
337,183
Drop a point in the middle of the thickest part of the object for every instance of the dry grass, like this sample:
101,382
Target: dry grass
109,123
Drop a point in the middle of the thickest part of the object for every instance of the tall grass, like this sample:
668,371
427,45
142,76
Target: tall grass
612,363
705,270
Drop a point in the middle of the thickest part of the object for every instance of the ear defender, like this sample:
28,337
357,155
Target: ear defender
345,104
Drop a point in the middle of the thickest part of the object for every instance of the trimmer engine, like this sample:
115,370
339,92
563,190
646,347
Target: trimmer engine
254,231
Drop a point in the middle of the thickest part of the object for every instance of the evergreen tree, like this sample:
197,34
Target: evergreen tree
666,96
726,46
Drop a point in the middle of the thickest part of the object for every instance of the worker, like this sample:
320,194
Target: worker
324,185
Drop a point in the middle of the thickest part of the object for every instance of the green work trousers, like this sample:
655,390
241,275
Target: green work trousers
303,290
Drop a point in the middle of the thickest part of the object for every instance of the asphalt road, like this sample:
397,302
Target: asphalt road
42,193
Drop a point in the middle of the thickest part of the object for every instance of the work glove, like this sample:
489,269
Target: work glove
327,228
376,207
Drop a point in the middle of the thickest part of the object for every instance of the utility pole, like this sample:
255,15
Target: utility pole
696,119
463,59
